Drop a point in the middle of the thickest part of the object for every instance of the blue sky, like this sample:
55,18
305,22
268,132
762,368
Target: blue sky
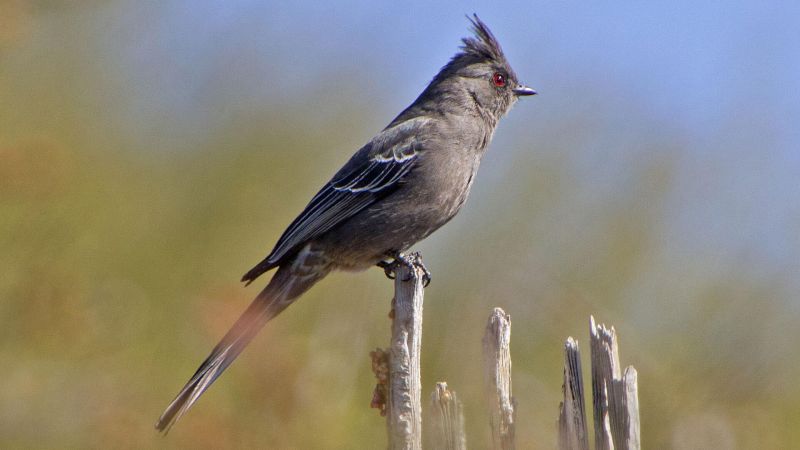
691,62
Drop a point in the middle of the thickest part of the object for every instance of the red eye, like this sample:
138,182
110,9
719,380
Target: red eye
499,79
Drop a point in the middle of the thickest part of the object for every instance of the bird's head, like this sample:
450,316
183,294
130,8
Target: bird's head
481,74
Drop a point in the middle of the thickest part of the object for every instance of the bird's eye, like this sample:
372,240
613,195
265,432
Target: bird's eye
499,79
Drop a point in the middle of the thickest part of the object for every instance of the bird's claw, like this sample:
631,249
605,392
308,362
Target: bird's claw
388,268
412,261
426,276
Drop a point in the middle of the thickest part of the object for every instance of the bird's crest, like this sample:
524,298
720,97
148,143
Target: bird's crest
483,45
480,48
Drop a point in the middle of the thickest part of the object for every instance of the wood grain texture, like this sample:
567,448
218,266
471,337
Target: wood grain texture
446,419
404,409
572,434
497,371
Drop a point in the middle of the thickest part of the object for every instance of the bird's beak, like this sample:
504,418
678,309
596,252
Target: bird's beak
523,90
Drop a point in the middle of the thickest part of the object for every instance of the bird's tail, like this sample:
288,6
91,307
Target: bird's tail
286,285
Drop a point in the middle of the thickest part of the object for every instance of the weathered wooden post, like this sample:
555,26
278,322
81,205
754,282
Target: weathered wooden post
497,371
446,420
615,398
398,393
572,433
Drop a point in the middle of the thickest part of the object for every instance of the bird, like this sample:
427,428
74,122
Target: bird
405,183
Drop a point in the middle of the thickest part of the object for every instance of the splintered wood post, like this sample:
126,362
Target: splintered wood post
404,409
631,382
572,433
605,369
497,371
615,399
446,420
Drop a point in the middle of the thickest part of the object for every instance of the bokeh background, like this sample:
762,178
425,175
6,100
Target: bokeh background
152,152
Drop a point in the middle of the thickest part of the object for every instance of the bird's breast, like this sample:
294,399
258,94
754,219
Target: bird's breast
443,186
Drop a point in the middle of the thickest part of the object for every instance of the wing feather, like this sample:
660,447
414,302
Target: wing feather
340,199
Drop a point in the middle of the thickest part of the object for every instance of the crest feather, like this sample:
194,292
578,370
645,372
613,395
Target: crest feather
484,45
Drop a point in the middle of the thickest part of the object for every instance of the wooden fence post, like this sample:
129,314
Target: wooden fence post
497,371
404,409
615,399
572,434
446,419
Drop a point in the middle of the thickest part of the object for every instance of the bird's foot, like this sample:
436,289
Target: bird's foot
412,261
417,262
388,268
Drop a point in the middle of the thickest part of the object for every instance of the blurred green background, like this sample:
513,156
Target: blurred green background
152,152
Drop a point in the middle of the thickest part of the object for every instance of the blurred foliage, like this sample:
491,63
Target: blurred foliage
122,251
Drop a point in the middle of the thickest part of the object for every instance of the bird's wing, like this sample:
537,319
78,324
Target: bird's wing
372,173
340,199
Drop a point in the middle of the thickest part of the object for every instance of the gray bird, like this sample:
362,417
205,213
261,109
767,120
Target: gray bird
405,183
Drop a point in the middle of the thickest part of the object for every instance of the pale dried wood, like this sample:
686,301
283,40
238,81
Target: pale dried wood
631,381
572,434
605,363
616,410
497,370
404,409
446,420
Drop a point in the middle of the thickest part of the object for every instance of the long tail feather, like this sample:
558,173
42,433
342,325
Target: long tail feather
281,291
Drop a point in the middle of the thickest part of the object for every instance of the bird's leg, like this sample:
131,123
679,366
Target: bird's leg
412,261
